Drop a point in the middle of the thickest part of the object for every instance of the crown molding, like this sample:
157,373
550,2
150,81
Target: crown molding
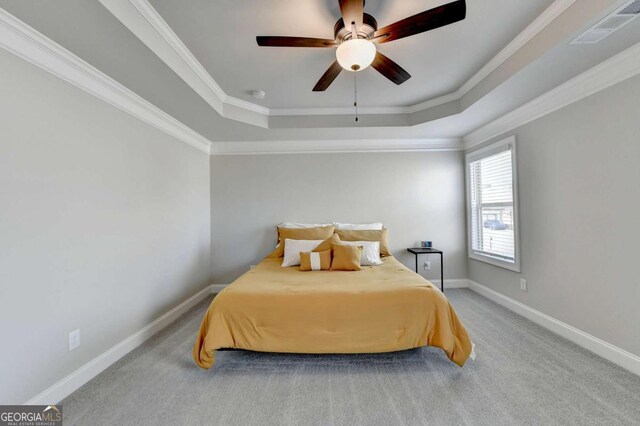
334,146
37,49
618,68
147,24
176,44
140,17
532,30
164,30
431,103
391,110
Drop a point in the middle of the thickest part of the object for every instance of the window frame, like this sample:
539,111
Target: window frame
478,155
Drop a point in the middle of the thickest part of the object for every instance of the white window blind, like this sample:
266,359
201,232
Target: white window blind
492,208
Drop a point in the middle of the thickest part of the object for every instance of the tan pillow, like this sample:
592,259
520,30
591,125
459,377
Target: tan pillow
346,258
319,233
368,235
326,244
315,261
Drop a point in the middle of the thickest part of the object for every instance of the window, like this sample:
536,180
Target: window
492,204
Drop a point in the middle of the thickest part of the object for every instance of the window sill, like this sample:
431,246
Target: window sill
515,267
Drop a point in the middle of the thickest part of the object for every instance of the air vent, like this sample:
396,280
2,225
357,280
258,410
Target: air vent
609,24
591,37
612,23
632,8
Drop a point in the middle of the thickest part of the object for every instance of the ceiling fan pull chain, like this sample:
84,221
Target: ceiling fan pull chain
355,93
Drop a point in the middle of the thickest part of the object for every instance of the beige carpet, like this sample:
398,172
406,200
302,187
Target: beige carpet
524,375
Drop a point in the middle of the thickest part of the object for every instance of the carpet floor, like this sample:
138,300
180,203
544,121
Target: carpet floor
523,375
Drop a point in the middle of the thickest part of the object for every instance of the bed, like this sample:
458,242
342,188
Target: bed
381,308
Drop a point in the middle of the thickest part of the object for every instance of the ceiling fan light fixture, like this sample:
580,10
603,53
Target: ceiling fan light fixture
356,54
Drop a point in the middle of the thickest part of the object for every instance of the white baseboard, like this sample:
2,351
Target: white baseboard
75,380
217,288
82,375
452,283
606,350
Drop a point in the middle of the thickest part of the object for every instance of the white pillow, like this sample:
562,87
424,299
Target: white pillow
358,226
370,252
292,249
296,225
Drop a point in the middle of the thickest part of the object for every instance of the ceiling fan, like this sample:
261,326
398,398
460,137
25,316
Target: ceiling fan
355,42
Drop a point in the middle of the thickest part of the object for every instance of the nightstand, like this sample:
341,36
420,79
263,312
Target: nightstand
420,250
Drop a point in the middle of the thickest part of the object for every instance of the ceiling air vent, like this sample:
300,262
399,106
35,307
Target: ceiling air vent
610,23
631,8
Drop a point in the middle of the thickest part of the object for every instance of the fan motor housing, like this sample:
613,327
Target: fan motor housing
369,26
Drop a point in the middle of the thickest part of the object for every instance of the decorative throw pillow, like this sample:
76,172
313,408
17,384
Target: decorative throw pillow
315,260
326,244
319,233
370,252
367,235
346,258
292,249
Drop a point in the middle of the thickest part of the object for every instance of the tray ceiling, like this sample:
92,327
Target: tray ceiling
537,58
221,35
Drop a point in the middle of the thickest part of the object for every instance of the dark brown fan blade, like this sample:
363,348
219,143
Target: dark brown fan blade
328,77
390,69
352,11
277,41
425,21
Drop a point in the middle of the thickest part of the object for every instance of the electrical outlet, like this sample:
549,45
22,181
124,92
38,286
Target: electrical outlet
427,265
523,284
74,339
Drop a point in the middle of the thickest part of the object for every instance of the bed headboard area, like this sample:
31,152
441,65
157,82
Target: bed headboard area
417,196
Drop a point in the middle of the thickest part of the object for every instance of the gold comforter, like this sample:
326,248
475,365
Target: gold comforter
378,309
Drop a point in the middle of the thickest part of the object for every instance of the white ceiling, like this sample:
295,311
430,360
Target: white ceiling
221,35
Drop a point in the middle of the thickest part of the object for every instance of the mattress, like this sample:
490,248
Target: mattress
381,308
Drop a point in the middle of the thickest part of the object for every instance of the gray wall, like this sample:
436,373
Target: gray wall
416,195
579,173
104,226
